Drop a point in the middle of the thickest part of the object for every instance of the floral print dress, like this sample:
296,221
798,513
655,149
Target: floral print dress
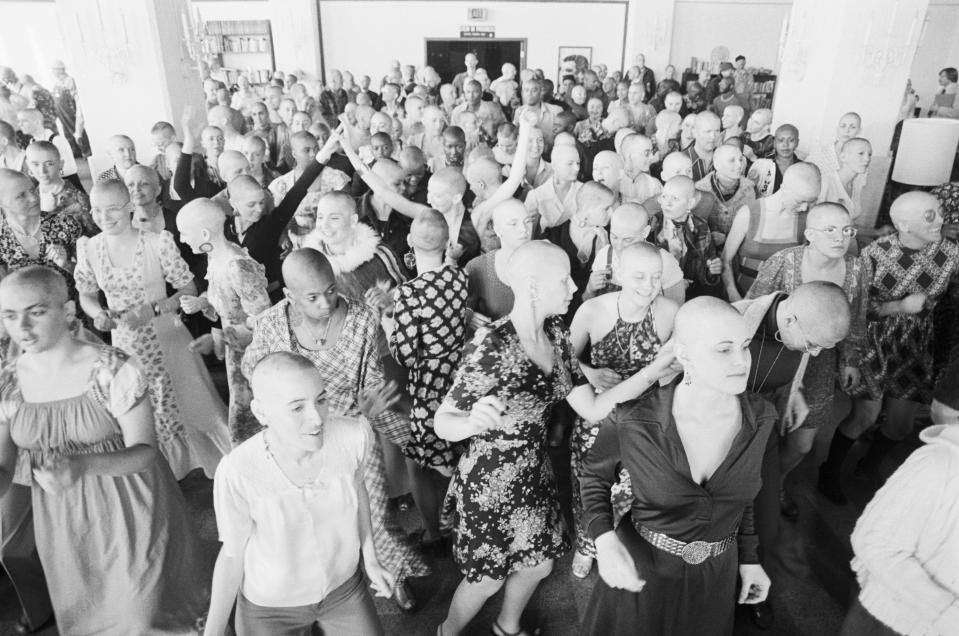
627,348
430,331
55,244
160,346
503,495
237,292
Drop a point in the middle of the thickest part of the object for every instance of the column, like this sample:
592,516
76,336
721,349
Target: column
296,37
848,56
649,30
134,64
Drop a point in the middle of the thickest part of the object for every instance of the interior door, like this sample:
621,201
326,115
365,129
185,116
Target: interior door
446,56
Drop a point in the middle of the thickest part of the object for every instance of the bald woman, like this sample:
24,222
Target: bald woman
507,525
693,452
909,272
765,226
236,292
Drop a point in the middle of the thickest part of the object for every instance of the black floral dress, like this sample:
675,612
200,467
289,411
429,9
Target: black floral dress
505,505
428,340
56,245
627,348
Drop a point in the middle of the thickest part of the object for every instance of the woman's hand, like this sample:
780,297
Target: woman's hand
487,413
602,379
479,321
374,401
138,316
324,154
715,265
616,565
57,475
913,303
755,584
202,345
665,364
105,320
382,581
193,304
237,338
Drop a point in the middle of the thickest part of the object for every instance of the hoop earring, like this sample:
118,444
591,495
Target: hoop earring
778,337
206,248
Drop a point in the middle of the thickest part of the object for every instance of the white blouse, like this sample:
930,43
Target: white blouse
906,542
298,544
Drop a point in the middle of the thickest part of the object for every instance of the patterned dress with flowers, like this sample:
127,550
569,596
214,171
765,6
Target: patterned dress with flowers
503,495
430,331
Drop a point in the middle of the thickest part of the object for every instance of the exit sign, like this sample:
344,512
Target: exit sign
476,13
478,31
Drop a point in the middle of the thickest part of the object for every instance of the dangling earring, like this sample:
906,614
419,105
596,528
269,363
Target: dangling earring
206,248
409,259
687,379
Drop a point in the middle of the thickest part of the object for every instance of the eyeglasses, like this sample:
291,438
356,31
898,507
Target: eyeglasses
834,232
808,347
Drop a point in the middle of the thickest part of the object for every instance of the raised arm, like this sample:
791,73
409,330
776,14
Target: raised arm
482,212
379,187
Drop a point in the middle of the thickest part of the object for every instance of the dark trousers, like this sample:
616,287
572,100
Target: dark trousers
859,622
18,555
766,506
346,611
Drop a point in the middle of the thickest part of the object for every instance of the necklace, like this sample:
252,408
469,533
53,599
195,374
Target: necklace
625,349
321,340
762,343
307,484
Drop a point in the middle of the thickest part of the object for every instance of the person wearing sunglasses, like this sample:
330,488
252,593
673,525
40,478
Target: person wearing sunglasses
909,272
829,233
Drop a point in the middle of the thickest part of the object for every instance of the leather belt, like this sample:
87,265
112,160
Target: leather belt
694,552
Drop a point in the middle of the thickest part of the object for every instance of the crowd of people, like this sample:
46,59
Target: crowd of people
421,289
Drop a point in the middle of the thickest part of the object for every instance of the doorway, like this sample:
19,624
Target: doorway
446,56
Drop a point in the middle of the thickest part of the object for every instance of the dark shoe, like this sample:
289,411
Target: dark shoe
496,630
830,487
787,506
762,616
403,597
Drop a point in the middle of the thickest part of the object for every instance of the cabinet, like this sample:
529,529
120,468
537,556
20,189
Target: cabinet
241,46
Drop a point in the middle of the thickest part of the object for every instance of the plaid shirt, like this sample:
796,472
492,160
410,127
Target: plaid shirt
349,367
699,249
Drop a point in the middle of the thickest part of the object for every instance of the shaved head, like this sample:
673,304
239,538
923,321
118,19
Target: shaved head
822,214
822,310
629,217
275,369
429,232
680,186
911,207
701,318
201,214
111,189
388,170
803,177
564,153
533,260
231,164
677,163
306,267
143,172
242,186
38,277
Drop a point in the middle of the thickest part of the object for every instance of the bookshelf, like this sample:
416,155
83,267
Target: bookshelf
241,46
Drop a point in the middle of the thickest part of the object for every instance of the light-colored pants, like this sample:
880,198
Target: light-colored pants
346,611
18,555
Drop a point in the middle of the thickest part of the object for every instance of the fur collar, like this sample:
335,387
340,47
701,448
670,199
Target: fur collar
361,250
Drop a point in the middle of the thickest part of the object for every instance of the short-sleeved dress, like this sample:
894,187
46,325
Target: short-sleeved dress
754,252
627,348
179,385
119,552
430,334
898,361
54,244
237,292
783,272
503,496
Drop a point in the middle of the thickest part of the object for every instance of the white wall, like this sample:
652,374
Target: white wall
746,27
233,10
30,38
363,36
938,48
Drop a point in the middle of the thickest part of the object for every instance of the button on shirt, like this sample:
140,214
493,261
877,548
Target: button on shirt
298,544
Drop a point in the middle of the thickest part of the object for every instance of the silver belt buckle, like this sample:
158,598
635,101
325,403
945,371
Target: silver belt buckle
695,552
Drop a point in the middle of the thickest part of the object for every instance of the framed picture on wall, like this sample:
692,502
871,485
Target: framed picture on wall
584,55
